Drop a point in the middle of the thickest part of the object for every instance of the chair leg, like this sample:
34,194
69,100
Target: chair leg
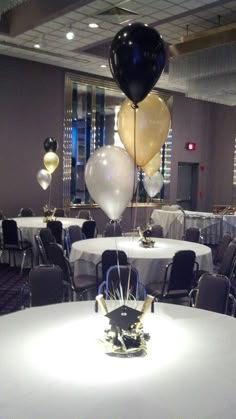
23,261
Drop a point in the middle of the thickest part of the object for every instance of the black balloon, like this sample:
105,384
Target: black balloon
50,144
137,58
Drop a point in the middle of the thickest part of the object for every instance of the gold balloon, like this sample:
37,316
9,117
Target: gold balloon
51,161
153,165
152,127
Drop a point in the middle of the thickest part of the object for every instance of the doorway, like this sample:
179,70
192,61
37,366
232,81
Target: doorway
187,185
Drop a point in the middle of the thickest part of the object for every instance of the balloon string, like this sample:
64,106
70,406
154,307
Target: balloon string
134,106
49,198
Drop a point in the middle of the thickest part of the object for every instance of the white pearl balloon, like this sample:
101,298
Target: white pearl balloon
44,178
111,179
153,184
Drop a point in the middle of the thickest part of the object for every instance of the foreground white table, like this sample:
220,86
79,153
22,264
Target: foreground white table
52,366
150,263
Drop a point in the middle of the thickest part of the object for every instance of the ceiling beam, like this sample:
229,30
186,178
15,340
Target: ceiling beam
34,13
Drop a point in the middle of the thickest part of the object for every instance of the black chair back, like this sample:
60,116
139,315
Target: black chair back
46,237
213,293
181,271
10,233
75,233
89,229
122,281
59,212
46,285
157,231
56,256
26,212
111,258
192,234
56,229
226,239
84,214
112,230
227,261
41,251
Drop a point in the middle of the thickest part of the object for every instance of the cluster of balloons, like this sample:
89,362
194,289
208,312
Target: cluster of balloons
137,58
51,162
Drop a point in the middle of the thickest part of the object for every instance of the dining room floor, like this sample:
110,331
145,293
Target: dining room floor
11,282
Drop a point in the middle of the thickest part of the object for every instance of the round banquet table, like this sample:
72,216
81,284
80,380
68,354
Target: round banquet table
30,226
52,366
150,262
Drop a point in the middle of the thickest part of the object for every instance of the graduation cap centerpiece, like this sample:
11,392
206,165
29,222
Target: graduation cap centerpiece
125,337
146,237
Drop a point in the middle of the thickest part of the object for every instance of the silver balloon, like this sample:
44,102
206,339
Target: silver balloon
111,179
153,184
44,178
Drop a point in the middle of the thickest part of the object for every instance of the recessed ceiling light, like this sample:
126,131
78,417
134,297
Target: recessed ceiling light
103,65
70,34
37,45
93,25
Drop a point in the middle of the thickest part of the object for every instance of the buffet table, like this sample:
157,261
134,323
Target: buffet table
52,366
210,224
150,262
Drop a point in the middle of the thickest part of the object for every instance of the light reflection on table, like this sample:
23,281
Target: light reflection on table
52,366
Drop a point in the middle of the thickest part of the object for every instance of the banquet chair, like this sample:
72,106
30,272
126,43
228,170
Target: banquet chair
179,279
26,212
80,284
220,251
192,234
42,257
45,286
89,229
12,241
2,216
59,212
213,294
226,265
73,234
85,214
109,258
122,282
57,230
46,237
157,230
112,229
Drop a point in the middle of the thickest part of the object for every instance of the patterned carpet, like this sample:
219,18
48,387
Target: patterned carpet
11,283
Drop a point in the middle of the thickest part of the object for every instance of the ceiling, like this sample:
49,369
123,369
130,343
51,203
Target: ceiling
26,22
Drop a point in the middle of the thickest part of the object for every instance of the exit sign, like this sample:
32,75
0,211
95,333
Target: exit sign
190,146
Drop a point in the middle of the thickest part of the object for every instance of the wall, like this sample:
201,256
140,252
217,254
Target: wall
213,128
31,109
222,155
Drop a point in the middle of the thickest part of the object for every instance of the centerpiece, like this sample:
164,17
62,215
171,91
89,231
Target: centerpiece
146,237
48,214
124,337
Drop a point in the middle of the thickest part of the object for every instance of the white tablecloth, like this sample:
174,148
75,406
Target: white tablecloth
229,225
30,226
172,222
52,366
150,263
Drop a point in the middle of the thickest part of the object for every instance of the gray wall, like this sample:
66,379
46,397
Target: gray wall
213,128
31,109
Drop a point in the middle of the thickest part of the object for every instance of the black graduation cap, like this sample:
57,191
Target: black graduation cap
124,317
